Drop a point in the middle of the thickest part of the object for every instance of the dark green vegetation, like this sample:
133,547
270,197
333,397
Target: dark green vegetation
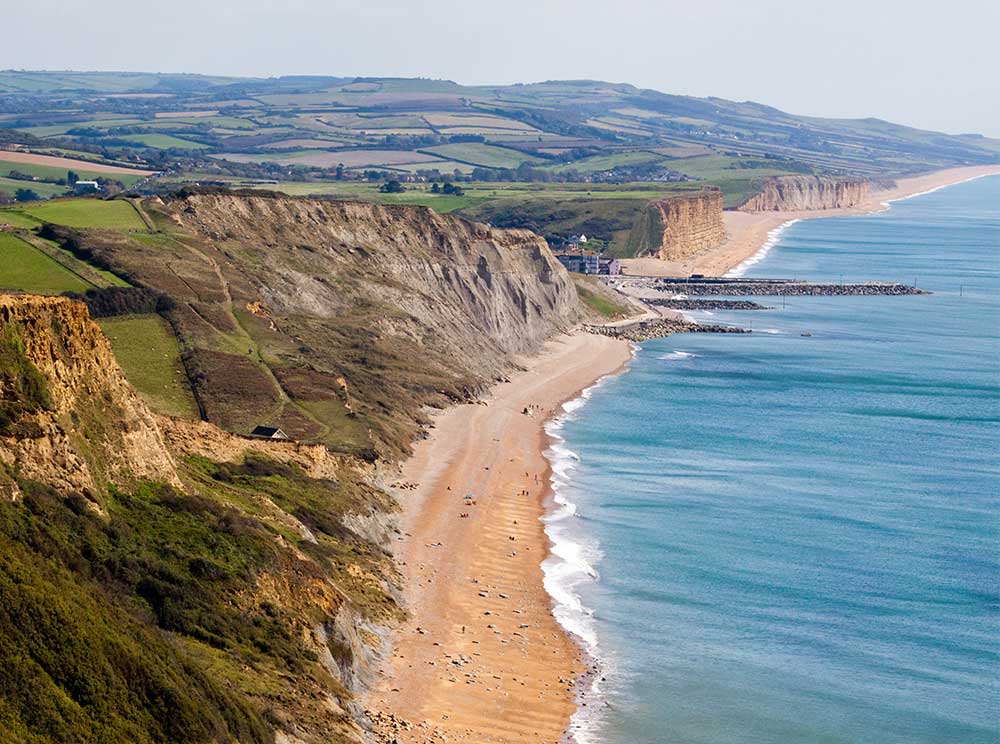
217,609
151,625
25,390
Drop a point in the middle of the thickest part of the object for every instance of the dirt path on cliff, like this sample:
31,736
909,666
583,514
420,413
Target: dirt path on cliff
482,659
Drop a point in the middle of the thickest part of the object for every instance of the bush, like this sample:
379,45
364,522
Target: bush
110,302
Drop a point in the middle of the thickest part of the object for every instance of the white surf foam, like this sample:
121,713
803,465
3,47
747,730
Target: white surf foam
570,565
773,237
678,355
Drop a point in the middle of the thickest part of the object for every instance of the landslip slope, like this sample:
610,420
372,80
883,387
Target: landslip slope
339,322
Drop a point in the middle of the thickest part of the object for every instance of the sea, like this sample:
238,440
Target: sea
780,537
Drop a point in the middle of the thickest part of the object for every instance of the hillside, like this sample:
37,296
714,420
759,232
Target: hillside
339,322
163,580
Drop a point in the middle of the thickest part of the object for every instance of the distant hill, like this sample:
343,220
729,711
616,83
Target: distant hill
405,125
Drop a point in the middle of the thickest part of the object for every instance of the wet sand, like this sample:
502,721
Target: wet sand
748,231
482,659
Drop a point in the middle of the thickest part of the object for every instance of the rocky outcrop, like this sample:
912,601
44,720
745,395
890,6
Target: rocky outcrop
68,418
679,226
797,193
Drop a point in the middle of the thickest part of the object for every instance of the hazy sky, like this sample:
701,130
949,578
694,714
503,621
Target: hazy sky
929,64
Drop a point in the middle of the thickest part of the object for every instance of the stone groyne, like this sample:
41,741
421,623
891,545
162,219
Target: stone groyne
705,304
778,288
650,329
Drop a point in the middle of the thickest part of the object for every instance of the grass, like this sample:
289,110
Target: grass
606,162
483,155
596,297
165,142
116,214
51,171
150,357
44,190
23,267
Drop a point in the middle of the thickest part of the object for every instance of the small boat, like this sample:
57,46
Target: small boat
807,335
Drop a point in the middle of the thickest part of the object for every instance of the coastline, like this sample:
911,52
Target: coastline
482,656
751,232
505,663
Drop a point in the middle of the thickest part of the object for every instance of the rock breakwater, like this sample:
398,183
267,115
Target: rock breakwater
767,288
650,329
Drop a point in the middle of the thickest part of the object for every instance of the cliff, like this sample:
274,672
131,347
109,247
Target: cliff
68,418
679,226
340,322
794,193
163,580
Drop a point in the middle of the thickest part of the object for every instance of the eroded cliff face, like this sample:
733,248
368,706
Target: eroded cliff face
68,418
795,193
341,322
496,291
679,226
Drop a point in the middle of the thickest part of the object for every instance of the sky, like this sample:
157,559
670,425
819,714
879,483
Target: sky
934,65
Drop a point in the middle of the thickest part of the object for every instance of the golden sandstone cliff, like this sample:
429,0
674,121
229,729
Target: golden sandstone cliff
795,193
69,418
676,227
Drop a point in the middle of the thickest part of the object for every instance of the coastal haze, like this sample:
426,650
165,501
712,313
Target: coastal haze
390,374
849,59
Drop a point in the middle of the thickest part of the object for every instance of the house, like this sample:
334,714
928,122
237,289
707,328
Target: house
609,266
268,432
582,262
86,187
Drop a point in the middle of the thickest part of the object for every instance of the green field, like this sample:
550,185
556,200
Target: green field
164,142
45,190
150,357
483,155
116,214
606,162
47,171
23,267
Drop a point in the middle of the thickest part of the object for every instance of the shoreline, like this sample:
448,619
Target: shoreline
749,233
562,572
483,657
467,587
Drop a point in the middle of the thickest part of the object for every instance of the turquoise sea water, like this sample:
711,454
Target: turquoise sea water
775,538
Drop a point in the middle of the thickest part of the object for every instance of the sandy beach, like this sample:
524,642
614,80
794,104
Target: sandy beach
482,659
748,232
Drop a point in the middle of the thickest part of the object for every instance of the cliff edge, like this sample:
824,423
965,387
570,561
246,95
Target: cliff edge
795,193
679,226
68,418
